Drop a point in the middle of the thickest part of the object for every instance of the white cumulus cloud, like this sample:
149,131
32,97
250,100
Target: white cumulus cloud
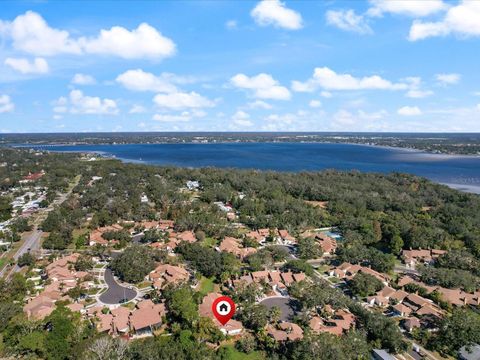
409,111
462,20
184,116
83,79
25,66
78,103
32,34
181,100
274,12
139,80
263,86
143,42
448,79
349,21
328,79
231,24
413,8
137,109
6,104
315,103
241,119
419,94
259,104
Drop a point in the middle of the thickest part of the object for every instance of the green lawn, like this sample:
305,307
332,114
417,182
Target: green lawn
233,354
209,242
206,285
3,261
334,280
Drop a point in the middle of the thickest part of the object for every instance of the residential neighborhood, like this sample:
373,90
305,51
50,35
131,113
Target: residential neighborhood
141,272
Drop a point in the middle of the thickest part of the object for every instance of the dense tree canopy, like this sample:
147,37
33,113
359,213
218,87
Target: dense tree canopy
134,263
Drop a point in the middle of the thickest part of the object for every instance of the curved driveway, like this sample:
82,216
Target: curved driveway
115,292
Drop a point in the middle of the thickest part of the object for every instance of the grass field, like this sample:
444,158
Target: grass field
209,242
3,262
206,285
233,354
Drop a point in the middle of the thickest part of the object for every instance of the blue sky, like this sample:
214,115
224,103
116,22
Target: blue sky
378,65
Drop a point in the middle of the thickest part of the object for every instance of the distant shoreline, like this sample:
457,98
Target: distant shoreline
410,149
294,158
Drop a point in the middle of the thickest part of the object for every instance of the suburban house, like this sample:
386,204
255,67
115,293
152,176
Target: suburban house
337,323
278,281
232,327
285,331
412,257
286,237
348,271
139,322
411,323
255,235
96,236
233,246
165,274
63,277
146,318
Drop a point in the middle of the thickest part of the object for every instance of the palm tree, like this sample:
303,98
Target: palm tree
274,314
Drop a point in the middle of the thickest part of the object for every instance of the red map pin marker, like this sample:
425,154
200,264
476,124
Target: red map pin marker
223,308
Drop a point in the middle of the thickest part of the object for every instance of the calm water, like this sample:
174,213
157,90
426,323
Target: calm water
457,171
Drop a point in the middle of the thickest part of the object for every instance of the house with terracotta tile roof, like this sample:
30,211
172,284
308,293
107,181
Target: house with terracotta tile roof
411,323
285,331
328,245
31,177
39,307
187,236
337,322
386,292
166,224
146,318
259,276
287,278
399,295
348,271
318,325
430,310
416,300
76,307
232,327
96,236
286,238
233,246
377,300
404,280
276,279
255,235
165,274
264,232
121,320
412,257
402,310
62,277
104,323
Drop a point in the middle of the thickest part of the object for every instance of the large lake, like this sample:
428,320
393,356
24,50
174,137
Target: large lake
462,172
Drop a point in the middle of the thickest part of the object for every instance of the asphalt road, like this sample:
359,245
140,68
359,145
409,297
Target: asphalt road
115,292
288,306
32,240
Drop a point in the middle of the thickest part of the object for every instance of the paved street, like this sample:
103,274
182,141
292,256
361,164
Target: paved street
115,292
32,240
288,306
